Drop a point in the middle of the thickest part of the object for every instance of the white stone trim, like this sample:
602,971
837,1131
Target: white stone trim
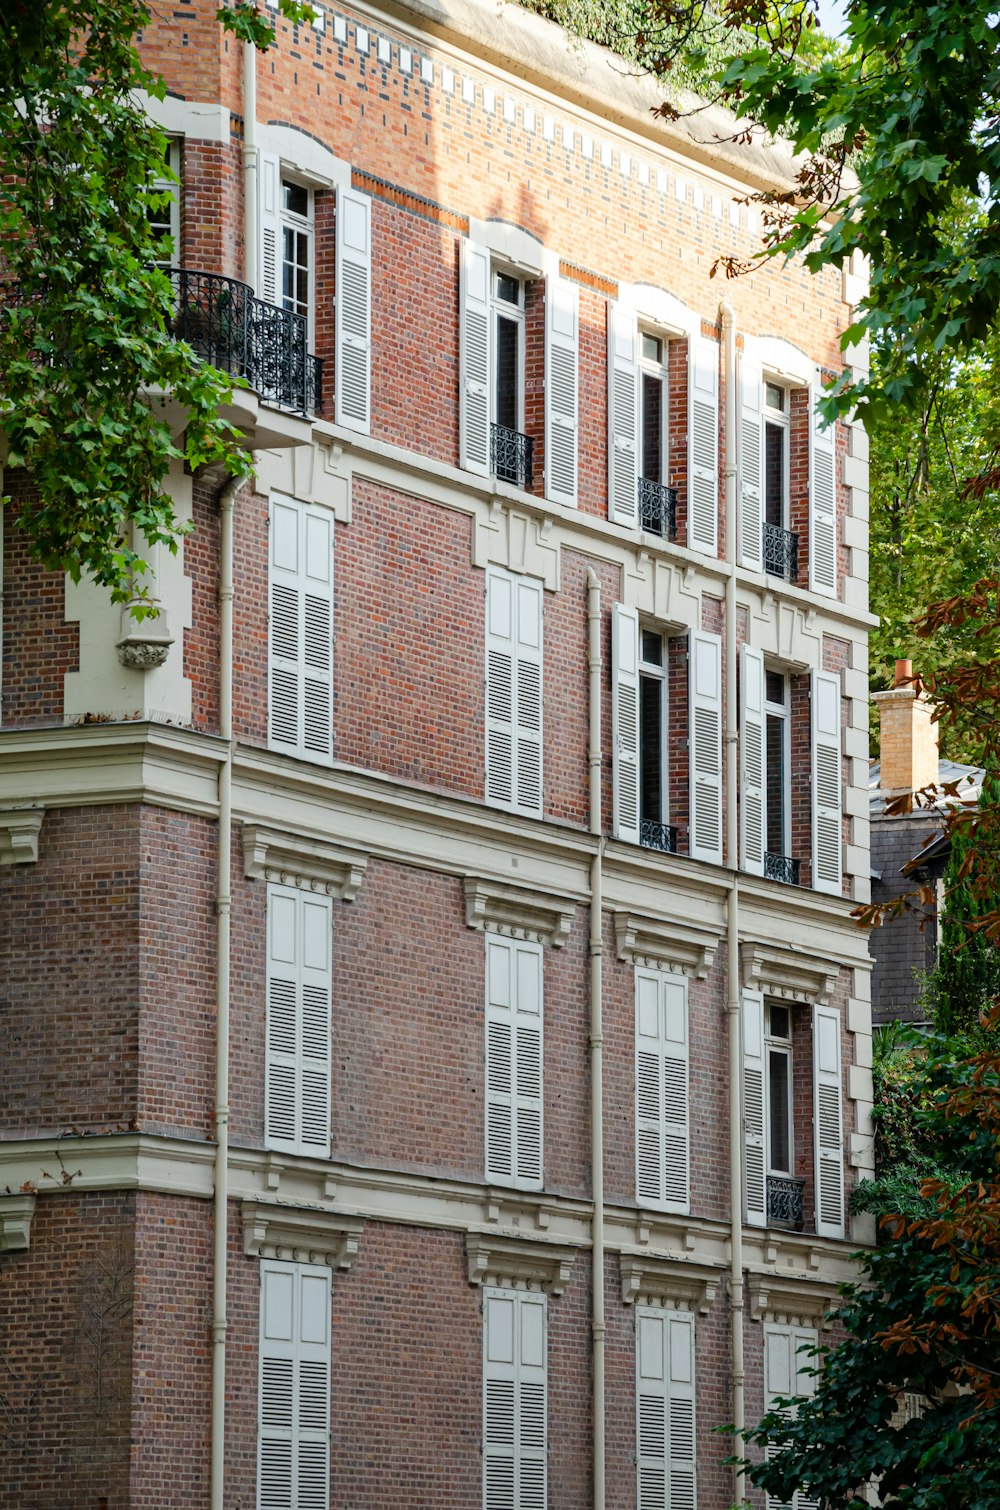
787,974
517,913
16,1212
300,1236
789,1301
295,860
665,944
19,830
675,1284
518,1262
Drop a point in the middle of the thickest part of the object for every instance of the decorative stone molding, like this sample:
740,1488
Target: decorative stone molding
309,864
519,1262
144,643
675,1284
792,1302
784,973
516,913
16,1212
664,945
300,1234
19,830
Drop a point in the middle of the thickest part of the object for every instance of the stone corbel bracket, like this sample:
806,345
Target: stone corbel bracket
19,830
786,974
309,864
790,1302
16,1212
662,945
300,1235
492,906
520,1263
677,1285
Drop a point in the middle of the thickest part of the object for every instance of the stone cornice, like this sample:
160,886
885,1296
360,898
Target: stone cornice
518,913
16,1212
521,1262
787,1299
665,944
301,1236
295,860
787,973
19,830
675,1283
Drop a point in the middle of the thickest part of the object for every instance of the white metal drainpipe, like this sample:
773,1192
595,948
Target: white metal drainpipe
223,906
733,909
596,1030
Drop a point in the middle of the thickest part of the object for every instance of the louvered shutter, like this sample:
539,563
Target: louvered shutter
828,1122
269,211
623,408
475,347
528,763
751,535
705,745
297,1071
661,1074
514,1400
805,1385
754,1110
300,637
822,503
561,362
625,722
514,1062
354,310
514,692
753,761
826,782
703,445
665,1388
786,1377
293,1461
680,1429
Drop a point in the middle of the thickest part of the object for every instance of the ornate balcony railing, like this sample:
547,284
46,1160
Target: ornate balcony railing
658,508
781,553
658,836
784,1201
511,455
227,325
781,868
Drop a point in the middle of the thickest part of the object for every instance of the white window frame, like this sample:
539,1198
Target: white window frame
669,1058
782,711
515,313
651,672
648,367
776,1044
782,419
665,1409
172,221
304,225
297,1060
506,1382
511,1022
293,1377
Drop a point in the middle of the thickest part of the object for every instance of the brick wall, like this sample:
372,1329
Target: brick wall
39,647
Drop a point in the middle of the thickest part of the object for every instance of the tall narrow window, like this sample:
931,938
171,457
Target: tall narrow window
165,218
665,1402
780,544
787,1374
514,1400
779,1088
656,501
296,248
511,454
297,1058
514,1116
661,1090
779,864
300,630
293,1409
514,691
653,827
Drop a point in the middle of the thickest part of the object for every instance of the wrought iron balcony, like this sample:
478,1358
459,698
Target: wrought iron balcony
227,325
781,868
658,508
510,456
781,553
658,836
784,1201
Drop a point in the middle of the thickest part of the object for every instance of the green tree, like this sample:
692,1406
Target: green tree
966,978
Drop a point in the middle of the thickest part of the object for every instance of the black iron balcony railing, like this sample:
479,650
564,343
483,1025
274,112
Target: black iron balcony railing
784,1201
227,325
781,868
510,456
658,836
781,553
658,508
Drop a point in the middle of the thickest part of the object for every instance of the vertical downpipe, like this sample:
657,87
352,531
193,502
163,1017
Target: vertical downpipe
596,1028
733,909
250,218
223,907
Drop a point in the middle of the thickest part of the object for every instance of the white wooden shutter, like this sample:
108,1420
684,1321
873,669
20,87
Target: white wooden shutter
754,1110
269,211
625,722
826,782
661,1081
561,364
785,1377
705,745
297,1069
300,639
623,413
753,761
293,1457
475,349
703,445
514,692
354,310
751,532
665,1389
514,1062
822,502
514,1400
828,1122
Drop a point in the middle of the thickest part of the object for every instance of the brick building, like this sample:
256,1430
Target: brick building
448,897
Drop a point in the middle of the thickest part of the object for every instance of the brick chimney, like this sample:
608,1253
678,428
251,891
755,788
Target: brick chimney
909,739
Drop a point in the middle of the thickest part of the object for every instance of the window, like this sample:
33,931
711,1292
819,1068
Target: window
665,1407
657,503
776,433
786,1375
514,1112
297,1060
300,630
661,1090
640,743
508,378
353,312
827,797
514,1400
293,1409
296,247
778,863
514,691
778,1048
165,219
765,770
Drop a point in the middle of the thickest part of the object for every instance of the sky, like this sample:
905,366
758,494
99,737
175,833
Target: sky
831,16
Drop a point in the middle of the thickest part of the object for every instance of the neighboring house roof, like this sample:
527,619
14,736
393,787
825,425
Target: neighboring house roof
969,778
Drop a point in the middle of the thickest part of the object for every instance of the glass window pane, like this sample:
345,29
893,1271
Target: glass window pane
508,340
652,647
651,749
296,199
777,839
508,289
775,688
779,1089
774,396
652,427
774,475
652,348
